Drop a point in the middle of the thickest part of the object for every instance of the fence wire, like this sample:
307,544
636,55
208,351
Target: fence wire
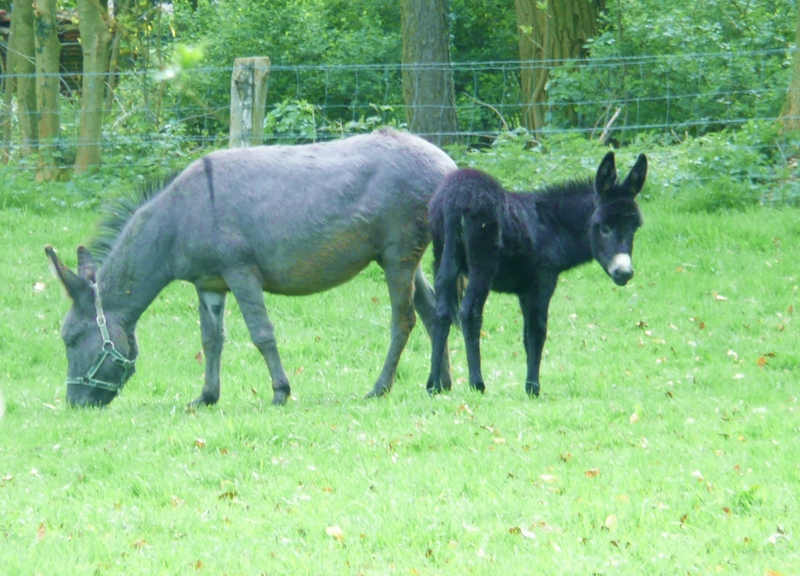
163,113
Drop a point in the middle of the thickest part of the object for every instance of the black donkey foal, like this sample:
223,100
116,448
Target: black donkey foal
519,244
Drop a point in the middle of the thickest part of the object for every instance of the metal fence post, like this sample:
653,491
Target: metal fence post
248,97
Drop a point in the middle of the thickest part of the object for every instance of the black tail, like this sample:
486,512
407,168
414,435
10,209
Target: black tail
449,271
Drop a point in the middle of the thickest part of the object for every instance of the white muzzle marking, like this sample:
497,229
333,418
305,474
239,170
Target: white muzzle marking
621,264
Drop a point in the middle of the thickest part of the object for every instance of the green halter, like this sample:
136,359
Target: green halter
108,350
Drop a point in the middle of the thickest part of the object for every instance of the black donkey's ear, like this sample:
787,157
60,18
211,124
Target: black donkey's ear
606,176
635,181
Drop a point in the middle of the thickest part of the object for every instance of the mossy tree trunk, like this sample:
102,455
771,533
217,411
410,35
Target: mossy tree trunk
427,74
95,39
25,69
9,85
48,53
791,111
550,32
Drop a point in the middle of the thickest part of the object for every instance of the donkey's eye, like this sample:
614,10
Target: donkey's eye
605,229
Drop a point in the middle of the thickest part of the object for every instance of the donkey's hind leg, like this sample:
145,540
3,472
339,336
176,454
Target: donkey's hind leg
247,290
483,254
425,304
400,279
212,331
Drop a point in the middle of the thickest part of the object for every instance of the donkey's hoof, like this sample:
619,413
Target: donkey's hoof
203,400
532,389
478,386
280,396
377,392
434,389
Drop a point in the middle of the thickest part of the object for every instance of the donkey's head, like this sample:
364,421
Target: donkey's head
616,217
100,353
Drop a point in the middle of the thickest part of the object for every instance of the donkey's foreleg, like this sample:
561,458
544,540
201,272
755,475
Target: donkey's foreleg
212,331
247,290
425,305
400,279
534,305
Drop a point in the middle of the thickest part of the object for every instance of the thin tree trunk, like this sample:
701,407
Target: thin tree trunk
25,68
791,111
427,73
547,38
9,84
95,43
48,53
120,13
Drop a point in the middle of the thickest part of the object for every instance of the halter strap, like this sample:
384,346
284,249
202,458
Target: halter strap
108,350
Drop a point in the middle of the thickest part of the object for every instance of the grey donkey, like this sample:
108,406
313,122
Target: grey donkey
290,220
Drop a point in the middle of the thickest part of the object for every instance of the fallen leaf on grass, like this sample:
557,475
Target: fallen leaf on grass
611,522
549,478
200,442
335,532
139,544
463,408
41,532
199,357
719,297
780,534
593,473
634,418
517,531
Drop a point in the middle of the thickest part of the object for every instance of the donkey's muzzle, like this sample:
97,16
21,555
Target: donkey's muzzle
621,269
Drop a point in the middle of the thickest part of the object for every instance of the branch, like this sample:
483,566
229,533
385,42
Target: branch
490,107
607,129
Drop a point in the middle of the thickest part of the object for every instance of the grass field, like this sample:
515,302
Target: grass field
666,439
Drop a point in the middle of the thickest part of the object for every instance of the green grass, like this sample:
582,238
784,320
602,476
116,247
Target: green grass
666,440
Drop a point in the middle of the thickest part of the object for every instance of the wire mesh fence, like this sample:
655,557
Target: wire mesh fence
156,114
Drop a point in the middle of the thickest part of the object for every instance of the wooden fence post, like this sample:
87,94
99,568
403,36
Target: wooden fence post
248,97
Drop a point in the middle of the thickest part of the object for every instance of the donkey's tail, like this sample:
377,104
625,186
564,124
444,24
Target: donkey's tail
449,276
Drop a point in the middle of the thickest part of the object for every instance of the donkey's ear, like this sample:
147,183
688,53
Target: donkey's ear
76,286
86,265
635,181
606,175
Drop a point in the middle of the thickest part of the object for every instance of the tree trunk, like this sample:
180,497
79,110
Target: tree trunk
9,85
48,53
120,13
546,39
25,68
791,111
95,43
427,75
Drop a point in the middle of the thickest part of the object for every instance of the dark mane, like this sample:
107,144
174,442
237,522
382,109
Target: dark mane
118,212
569,189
